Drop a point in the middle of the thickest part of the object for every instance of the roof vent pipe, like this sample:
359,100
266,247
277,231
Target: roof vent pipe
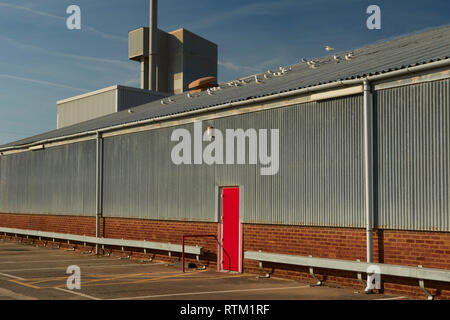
153,45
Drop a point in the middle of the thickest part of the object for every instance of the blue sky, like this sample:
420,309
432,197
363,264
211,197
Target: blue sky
41,61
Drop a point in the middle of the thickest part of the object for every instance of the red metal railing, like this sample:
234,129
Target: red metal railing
193,236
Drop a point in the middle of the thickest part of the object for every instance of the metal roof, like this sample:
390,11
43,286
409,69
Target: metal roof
379,58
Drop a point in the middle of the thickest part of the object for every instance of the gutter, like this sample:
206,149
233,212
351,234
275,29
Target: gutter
332,85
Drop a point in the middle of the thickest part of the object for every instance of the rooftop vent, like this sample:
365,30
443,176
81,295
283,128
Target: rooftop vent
202,84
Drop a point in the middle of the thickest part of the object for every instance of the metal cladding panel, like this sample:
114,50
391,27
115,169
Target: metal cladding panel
242,175
320,178
132,97
87,108
138,43
319,181
413,157
141,181
59,180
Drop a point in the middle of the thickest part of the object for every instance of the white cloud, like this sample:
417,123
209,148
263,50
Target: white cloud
263,9
41,82
118,63
102,34
244,71
237,68
132,82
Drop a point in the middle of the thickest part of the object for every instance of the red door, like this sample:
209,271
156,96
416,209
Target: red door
230,229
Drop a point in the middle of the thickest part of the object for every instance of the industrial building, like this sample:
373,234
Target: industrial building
363,174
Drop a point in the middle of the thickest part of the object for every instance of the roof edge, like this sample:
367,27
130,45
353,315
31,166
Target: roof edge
331,85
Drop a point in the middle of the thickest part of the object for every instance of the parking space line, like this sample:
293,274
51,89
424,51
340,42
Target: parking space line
173,276
24,284
90,283
44,261
11,276
165,279
188,278
98,266
98,276
209,292
31,282
394,298
78,293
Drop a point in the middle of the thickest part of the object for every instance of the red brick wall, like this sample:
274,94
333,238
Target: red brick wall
430,249
165,231
62,224
130,229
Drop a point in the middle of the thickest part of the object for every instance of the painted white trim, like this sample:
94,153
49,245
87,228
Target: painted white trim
110,88
89,94
336,93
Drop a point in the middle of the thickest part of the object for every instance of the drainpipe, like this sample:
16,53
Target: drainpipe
368,183
98,186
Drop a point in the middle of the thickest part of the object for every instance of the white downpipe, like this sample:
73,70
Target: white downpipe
367,168
368,181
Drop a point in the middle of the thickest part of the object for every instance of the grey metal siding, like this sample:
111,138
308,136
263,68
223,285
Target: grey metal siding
87,108
59,180
319,179
141,181
320,176
413,156
138,43
128,98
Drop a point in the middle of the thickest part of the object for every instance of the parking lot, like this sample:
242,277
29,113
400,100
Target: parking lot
28,272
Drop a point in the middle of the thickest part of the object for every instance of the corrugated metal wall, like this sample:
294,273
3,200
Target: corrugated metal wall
141,181
321,166
413,156
319,179
59,180
86,108
128,98
138,42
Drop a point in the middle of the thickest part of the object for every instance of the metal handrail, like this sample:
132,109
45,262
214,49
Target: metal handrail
106,241
192,236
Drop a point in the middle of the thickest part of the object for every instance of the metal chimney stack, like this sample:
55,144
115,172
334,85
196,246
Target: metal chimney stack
170,61
153,46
